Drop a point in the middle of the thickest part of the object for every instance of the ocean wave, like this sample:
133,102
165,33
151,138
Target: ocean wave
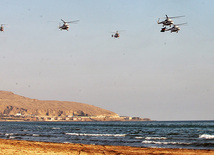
9,134
164,143
27,134
206,136
55,128
138,137
97,135
156,138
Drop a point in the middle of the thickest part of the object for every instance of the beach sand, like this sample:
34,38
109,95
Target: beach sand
18,147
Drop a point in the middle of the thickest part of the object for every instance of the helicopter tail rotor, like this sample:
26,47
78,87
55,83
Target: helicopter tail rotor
158,21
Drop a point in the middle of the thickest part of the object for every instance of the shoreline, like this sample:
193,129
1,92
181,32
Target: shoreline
8,146
79,119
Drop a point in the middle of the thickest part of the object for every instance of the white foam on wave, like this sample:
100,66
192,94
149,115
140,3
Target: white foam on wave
138,137
101,135
9,134
155,138
55,128
206,136
165,143
36,135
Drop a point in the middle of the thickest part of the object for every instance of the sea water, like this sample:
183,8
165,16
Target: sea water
156,134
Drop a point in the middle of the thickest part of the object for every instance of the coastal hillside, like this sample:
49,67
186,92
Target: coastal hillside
12,104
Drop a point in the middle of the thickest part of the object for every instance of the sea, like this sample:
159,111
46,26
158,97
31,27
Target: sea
151,134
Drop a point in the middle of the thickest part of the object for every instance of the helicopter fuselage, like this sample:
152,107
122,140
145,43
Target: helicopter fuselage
174,29
65,26
116,35
167,22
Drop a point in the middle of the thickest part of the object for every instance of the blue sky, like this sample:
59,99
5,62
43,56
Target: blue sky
163,76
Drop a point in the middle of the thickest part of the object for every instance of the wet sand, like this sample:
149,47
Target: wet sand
17,147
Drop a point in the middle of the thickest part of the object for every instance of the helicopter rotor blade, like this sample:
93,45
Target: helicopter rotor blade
176,17
118,31
158,21
63,21
75,21
180,24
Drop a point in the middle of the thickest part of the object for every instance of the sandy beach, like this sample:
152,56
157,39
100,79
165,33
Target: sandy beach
30,147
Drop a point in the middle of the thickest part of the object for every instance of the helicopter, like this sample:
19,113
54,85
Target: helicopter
175,28
168,21
65,25
2,28
116,34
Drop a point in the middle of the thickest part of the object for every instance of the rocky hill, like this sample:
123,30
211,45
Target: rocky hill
12,104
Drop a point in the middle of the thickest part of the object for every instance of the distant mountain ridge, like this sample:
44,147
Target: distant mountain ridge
11,104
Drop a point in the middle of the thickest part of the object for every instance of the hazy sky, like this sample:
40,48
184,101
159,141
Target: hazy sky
145,73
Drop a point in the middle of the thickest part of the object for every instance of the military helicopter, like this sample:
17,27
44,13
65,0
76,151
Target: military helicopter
168,21
2,28
116,34
175,28
65,25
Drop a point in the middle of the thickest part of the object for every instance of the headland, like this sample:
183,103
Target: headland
19,108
